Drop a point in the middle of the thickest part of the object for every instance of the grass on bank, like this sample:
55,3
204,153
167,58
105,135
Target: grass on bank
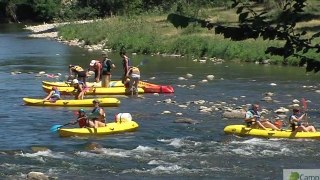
153,34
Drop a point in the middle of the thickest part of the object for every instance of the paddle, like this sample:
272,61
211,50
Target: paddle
55,128
304,105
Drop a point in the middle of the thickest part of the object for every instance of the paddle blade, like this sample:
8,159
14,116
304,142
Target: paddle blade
55,128
304,104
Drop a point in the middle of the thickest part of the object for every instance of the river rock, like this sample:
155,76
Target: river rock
239,114
41,72
267,98
273,84
39,149
182,78
210,77
186,120
37,176
166,112
268,94
204,81
189,75
93,146
296,101
179,114
281,110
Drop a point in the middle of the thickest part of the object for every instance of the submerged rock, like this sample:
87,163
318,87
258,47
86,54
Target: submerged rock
37,176
186,120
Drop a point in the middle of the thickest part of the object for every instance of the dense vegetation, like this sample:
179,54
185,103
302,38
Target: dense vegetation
167,26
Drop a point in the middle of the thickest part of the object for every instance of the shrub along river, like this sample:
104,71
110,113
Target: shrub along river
160,148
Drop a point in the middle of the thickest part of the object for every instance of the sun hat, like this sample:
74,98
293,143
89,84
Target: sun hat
75,81
92,62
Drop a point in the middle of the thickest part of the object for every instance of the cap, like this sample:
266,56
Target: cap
75,81
92,62
95,101
54,88
81,110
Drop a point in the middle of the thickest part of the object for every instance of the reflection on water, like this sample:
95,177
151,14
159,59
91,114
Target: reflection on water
159,148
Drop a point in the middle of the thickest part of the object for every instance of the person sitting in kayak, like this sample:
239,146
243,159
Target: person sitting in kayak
78,72
134,75
253,119
79,88
296,124
54,95
97,115
83,120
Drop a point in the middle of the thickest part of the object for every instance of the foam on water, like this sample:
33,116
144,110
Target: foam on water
47,153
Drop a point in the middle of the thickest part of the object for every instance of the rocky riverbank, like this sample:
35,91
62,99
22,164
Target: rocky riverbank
50,31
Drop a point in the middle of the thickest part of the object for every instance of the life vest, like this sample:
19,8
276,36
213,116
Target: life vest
293,124
77,68
95,113
106,65
82,121
56,94
253,113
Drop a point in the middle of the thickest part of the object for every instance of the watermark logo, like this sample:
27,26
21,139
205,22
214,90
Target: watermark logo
301,174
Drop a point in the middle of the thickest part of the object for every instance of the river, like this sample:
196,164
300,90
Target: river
160,148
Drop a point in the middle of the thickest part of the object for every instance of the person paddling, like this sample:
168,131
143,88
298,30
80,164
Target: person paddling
296,124
97,115
253,119
54,95
82,120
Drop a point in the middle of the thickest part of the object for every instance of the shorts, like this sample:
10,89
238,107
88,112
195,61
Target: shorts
82,74
106,73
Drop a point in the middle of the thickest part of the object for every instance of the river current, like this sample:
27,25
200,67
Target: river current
160,148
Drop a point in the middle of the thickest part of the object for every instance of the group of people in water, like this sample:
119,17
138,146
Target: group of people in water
102,73
253,119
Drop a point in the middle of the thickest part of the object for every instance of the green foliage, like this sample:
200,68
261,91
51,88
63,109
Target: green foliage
47,9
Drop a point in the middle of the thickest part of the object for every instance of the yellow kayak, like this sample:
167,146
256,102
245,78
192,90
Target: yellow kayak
93,90
146,86
110,128
242,130
105,102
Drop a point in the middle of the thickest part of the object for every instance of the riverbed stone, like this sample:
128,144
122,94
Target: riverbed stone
189,75
186,120
239,114
37,176
210,77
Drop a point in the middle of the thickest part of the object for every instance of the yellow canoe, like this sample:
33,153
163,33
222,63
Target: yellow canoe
105,102
242,130
146,86
110,128
93,90
112,84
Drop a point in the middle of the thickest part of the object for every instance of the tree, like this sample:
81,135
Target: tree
254,24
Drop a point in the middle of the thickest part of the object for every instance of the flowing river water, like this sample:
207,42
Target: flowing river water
160,148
